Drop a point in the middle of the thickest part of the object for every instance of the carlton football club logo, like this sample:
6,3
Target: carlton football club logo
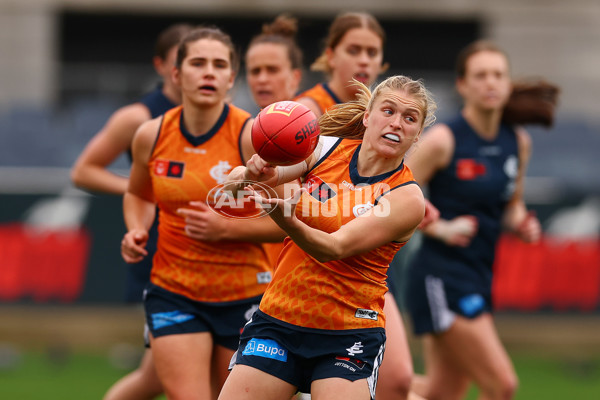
220,171
360,209
282,107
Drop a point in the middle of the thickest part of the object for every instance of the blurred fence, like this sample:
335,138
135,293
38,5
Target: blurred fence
64,248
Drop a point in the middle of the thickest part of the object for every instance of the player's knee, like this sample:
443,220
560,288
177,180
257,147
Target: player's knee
503,388
399,383
508,386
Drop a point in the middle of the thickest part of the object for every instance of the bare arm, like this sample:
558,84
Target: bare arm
90,170
138,203
516,218
433,153
395,218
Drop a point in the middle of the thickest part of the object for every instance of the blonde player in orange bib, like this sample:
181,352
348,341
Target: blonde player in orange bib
320,324
354,50
202,290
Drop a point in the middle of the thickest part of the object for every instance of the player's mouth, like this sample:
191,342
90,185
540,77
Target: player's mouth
362,77
392,137
208,89
264,93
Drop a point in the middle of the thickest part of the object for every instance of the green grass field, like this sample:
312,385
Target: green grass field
47,376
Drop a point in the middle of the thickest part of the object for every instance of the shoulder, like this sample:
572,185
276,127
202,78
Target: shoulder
134,114
439,137
237,112
438,141
311,103
147,133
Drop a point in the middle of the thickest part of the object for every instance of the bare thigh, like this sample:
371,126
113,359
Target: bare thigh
183,364
248,383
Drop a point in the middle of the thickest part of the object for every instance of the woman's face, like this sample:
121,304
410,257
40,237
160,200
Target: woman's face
206,74
486,84
394,123
270,75
359,55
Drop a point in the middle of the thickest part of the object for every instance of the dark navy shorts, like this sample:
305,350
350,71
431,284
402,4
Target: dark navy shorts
433,301
300,356
168,313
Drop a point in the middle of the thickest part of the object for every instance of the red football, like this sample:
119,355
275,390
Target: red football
285,133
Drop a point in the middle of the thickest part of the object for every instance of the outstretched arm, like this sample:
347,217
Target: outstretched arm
394,218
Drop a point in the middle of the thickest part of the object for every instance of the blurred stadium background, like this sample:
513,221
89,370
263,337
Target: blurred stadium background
66,65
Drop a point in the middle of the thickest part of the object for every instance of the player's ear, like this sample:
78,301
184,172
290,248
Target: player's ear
329,55
231,80
366,119
176,76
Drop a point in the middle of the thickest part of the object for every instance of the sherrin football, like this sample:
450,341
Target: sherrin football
285,133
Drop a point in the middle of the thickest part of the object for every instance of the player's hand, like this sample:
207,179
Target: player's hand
458,231
283,211
259,170
203,224
432,214
530,229
133,245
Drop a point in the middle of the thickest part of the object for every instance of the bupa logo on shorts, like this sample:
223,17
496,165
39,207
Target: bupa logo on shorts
366,314
471,304
265,348
163,319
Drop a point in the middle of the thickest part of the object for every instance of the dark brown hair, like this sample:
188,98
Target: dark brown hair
339,27
532,102
213,33
169,38
473,48
281,31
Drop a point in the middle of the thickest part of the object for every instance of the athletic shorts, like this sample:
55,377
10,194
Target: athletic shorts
300,356
168,313
433,301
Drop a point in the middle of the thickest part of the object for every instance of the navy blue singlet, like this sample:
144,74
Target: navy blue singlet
479,181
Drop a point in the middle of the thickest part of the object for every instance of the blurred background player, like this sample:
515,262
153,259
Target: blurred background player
273,73
201,291
332,344
353,50
474,166
90,172
274,62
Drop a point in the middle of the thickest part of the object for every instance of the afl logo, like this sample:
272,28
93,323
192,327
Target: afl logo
219,172
360,209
